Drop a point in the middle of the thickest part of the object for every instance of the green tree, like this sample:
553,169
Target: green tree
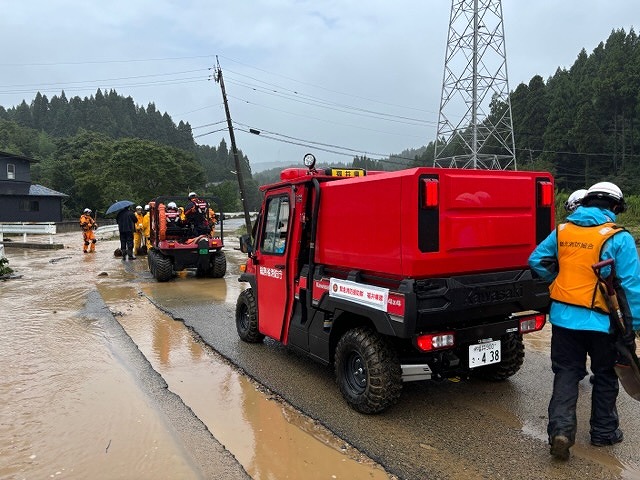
40,112
229,194
589,139
22,115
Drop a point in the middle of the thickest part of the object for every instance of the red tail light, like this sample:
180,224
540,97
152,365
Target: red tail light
532,323
430,187
545,194
435,341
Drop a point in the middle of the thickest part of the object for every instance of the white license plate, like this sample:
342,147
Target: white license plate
484,354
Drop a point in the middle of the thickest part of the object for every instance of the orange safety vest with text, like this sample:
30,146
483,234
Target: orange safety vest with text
578,249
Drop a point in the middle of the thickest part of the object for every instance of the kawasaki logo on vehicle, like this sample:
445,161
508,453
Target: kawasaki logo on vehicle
479,296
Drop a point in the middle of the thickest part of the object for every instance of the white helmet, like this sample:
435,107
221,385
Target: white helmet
172,205
87,210
192,194
607,191
574,200
147,207
139,207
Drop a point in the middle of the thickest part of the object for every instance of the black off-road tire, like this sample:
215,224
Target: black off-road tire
247,317
163,268
368,371
151,261
218,265
512,359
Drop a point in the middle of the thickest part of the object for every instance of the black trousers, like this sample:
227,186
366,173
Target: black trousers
126,243
569,350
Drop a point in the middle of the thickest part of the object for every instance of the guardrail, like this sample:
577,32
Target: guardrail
106,230
24,229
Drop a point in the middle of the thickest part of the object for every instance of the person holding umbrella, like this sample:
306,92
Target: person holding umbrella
126,220
579,314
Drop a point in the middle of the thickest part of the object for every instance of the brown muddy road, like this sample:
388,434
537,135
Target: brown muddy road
98,382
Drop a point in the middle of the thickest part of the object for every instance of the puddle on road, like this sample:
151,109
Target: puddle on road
539,341
197,290
269,438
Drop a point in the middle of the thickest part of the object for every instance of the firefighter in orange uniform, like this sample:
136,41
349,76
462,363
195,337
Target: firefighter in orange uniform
88,225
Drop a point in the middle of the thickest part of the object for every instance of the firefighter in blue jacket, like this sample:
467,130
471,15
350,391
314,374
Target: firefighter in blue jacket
578,314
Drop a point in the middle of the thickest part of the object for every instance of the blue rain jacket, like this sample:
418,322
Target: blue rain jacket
621,247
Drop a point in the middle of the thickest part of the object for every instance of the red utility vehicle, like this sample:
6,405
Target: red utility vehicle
397,276
182,245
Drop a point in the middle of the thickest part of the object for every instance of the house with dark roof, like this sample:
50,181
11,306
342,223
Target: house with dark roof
22,201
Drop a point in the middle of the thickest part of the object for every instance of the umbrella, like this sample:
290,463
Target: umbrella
116,207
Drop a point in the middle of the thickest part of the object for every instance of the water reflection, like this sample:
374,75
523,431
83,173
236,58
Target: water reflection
170,341
197,290
270,439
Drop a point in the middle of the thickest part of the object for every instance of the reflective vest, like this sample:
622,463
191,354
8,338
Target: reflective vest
578,249
172,216
201,206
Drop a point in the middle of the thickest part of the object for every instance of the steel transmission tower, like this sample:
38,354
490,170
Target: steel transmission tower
475,128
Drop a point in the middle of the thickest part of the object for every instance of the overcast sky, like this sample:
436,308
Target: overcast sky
355,77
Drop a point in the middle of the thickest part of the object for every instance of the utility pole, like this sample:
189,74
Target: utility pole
475,128
243,197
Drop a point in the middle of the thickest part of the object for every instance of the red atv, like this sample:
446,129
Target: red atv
179,243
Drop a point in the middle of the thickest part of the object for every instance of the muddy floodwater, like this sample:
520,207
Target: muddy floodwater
71,406
67,407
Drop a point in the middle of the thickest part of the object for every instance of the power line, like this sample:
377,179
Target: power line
581,154
79,82
404,134
327,147
199,109
208,125
311,100
182,81
209,133
101,62
321,87
346,109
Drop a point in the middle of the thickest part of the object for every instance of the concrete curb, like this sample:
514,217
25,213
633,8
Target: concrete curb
41,246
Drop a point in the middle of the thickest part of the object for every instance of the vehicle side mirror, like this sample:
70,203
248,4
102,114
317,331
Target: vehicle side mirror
245,244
